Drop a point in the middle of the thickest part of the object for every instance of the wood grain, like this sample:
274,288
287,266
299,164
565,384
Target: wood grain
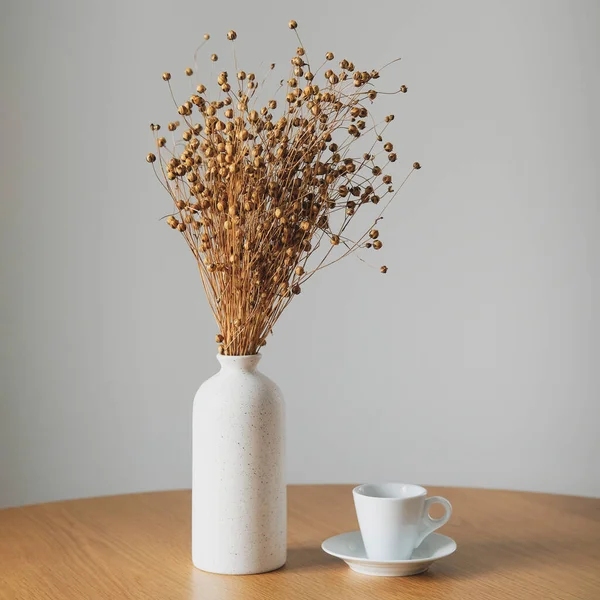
510,545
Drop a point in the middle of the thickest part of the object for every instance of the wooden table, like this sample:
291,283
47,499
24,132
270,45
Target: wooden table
510,545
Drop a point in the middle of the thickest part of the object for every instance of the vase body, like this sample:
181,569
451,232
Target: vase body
239,519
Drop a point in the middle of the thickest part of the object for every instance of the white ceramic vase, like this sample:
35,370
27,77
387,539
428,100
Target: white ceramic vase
238,486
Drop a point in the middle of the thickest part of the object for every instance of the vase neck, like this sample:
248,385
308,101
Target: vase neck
239,363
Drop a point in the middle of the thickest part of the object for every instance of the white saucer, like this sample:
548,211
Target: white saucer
350,548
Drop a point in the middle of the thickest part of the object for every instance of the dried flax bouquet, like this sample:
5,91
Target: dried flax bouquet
264,193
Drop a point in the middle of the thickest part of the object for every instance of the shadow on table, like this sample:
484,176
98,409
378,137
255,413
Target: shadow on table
308,558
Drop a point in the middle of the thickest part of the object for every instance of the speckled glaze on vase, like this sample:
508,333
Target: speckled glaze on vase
238,484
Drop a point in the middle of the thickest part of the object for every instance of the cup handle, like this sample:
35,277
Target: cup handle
429,525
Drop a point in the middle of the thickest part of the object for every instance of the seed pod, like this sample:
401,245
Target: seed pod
166,76
299,271
231,35
161,141
373,234
150,158
296,289
329,56
335,240
416,165
189,72
377,244
214,57
392,157
219,338
403,89
383,269
388,147
292,24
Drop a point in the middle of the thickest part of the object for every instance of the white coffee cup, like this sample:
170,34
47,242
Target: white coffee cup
394,518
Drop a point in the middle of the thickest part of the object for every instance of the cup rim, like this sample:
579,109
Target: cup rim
358,491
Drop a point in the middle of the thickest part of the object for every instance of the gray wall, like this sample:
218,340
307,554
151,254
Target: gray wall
473,362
